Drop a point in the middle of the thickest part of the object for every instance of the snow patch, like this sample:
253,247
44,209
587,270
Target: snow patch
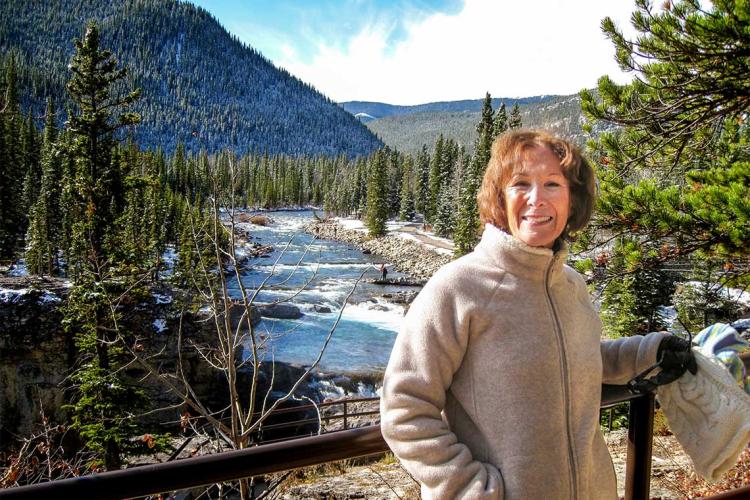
161,298
19,269
13,296
160,325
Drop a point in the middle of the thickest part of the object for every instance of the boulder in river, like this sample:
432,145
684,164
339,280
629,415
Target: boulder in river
281,311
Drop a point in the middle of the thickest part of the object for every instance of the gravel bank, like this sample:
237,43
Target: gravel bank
405,255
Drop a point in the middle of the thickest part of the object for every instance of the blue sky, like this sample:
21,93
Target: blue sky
416,51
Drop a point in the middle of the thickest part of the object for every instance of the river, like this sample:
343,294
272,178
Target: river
321,273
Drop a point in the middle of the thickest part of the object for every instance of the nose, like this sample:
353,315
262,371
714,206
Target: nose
535,196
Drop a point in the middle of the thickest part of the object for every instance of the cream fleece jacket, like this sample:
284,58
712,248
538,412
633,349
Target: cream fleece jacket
493,387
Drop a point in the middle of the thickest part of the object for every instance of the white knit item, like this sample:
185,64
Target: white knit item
709,415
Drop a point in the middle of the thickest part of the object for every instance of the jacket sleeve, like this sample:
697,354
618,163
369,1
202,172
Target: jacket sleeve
626,357
428,351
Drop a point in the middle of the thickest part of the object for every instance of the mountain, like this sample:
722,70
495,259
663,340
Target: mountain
407,128
201,85
380,110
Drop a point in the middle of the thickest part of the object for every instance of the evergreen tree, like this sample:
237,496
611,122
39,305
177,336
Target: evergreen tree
406,211
675,172
395,176
422,177
467,224
435,180
515,118
30,149
44,239
377,202
97,177
499,121
11,173
99,195
632,299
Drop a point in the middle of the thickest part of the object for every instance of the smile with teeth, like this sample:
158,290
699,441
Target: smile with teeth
537,219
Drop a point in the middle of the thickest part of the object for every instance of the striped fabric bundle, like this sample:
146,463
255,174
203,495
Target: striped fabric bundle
722,342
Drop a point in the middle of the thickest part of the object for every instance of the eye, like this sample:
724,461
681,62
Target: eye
519,183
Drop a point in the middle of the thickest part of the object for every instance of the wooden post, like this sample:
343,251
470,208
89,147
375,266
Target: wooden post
640,439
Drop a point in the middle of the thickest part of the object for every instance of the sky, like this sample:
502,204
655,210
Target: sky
418,51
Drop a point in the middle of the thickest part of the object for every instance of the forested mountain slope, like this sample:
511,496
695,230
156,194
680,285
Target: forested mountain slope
407,128
200,84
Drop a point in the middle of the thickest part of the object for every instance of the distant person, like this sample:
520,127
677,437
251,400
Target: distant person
383,272
494,384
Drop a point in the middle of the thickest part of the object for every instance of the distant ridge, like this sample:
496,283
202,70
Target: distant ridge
201,85
408,128
381,110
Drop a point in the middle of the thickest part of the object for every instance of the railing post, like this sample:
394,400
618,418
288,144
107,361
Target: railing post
640,440
345,415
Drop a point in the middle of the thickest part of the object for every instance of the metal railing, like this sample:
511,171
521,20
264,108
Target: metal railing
316,450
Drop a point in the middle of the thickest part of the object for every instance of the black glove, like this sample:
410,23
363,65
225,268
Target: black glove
675,357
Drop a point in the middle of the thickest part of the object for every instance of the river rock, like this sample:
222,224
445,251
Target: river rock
281,311
321,309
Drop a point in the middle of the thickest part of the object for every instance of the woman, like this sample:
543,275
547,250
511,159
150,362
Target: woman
494,383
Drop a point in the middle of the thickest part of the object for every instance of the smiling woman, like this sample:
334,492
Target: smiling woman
495,377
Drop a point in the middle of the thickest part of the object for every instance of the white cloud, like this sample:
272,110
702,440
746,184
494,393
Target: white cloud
509,48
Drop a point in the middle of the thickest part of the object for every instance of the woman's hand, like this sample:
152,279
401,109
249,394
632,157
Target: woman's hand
675,357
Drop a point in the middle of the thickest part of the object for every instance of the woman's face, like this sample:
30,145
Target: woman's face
537,199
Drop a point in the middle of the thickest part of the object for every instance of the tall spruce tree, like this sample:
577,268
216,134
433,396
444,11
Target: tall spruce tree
377,194
500,121
467,223
102,398
422,179
406,211
435,179
515,121
11,172
44,238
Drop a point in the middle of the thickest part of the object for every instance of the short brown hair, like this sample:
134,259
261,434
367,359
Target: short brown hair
508,152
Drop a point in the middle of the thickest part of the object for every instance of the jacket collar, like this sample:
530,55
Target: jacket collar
518,258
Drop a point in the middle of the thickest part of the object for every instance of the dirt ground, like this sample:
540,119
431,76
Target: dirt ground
672,476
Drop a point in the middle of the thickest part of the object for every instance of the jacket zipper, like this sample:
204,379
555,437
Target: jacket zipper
564,367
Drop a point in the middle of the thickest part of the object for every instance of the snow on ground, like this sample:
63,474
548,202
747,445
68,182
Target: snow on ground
734,294
9,295
437,249
161,298
352,224
160,325
399,229
19,269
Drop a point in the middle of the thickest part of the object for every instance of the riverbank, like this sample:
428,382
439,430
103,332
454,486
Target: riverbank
408,250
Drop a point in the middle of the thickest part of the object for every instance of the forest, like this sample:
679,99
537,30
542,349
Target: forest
202,87
81,197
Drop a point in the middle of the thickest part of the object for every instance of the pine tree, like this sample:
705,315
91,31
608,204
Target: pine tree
44,239
98,179
99,195
30,149
422,177
467,224
406,211
377,202
515,118
499,121
11,173
435,180
675,172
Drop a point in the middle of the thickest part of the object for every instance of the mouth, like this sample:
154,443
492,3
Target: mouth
536,219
